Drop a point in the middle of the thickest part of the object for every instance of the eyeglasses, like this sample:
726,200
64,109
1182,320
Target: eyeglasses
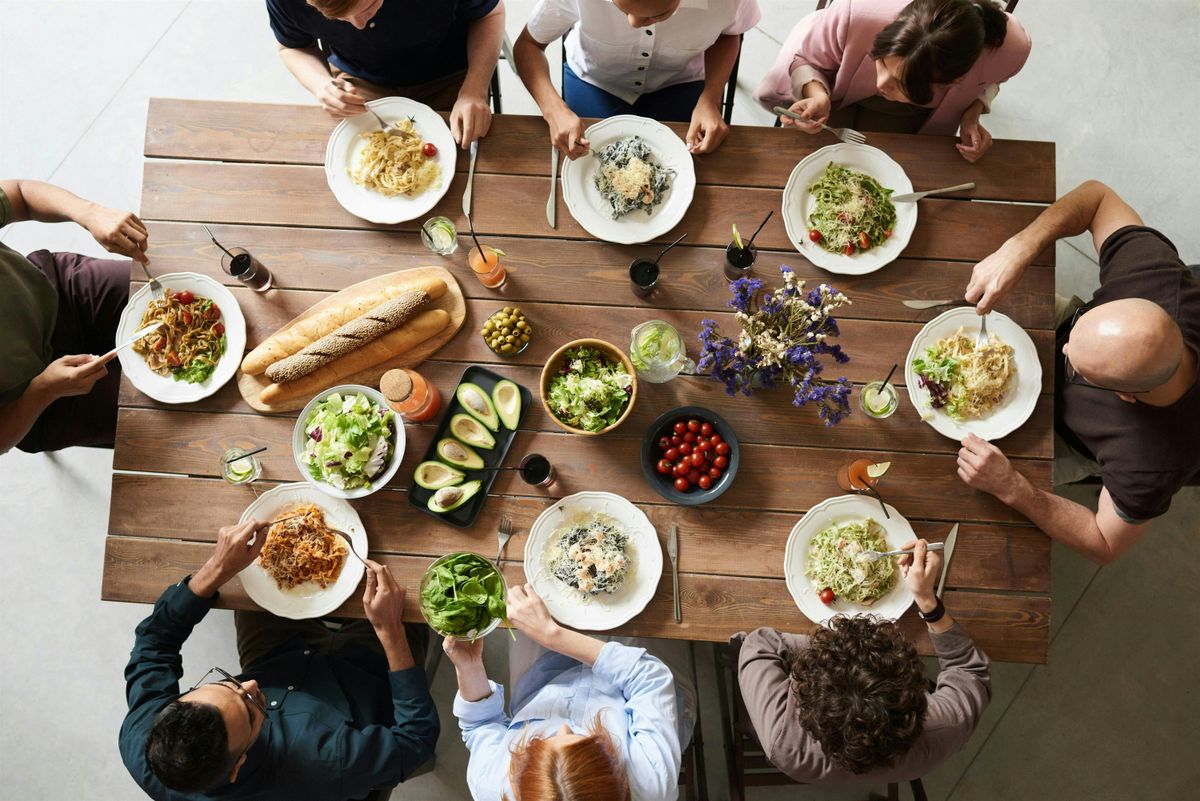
236,686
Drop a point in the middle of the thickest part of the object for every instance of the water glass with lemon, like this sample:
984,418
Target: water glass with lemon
879,399
657,351
238,468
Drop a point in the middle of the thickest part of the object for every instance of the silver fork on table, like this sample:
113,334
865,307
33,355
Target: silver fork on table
845,134
875,556
503,533
156,289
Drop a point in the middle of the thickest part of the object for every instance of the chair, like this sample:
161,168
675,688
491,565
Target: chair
746,762
693,777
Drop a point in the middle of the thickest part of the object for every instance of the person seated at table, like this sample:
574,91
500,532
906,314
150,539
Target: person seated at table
1126,392
851,701
590,719
321,709
665,59
58,317
927,66
347,52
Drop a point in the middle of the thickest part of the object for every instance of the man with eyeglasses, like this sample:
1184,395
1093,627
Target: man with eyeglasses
316,713
1127,396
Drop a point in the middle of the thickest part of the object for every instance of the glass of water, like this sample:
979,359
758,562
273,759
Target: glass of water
440,235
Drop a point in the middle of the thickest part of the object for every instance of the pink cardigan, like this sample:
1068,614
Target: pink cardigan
833,46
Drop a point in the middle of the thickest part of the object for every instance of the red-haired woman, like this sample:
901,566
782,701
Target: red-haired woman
591,720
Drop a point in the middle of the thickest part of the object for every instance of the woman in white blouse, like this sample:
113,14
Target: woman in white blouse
665,59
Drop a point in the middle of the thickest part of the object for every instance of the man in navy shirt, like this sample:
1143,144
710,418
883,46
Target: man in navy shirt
347,52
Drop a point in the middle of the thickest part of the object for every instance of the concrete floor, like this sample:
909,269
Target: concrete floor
1111,82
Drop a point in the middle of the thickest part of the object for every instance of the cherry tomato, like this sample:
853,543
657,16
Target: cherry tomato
887,234
429,149
814,235
722,448
694,476
214,312
219,329
704,446
682,484
173,359
721,461
680,427
827,596
672,455
685,448
706,429
663,466
187,317
864,241
185,297
676,440
697,459
690,437
714,473
715,438
160,343
705,482
664,442
849,251
693,426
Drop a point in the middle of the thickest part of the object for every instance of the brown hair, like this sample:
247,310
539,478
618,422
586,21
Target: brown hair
860,690
939,41
332,9
586,770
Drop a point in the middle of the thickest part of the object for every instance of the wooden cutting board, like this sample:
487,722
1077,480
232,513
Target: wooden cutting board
251,385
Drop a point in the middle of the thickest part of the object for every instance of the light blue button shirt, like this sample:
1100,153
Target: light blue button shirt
632,691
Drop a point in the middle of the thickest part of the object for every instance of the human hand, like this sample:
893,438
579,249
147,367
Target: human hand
469,119
383,600
566,133
708,128
995,276
921,570
983,466
237,547
814,109
975,138
528,614
463,653
340,99
119,232
70,375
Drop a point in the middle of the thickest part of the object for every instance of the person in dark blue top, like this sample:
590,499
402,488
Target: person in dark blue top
347,52
318,717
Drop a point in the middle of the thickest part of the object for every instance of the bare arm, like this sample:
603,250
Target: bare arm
471,116
308,66
119,232
566,129
528,614
708,128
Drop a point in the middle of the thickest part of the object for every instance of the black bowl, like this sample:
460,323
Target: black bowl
665,485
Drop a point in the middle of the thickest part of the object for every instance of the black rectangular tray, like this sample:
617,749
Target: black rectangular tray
464,516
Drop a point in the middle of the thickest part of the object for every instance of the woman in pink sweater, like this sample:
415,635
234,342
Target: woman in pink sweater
926,66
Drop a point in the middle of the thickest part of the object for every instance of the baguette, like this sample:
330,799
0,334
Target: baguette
425,325
309,330
349,337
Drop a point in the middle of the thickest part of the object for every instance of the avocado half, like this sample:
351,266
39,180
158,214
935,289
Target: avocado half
478,404
455,453
435,475
448,498
467,429
506,398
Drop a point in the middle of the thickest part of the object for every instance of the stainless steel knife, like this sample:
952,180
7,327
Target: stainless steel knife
913,197
673,552
946,554
470,179
926,304
551,202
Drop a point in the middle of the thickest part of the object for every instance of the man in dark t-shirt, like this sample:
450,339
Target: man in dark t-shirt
1126,385
347,52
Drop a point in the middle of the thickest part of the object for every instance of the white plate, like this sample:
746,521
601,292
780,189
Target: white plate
602,612
798,205
1022,396
842,509
398,440
341,154
589,209
164,388
308,599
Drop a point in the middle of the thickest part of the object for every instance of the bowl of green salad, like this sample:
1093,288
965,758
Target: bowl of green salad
589,387
348,442
462,596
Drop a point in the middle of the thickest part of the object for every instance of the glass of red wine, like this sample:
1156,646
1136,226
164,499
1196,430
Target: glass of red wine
239,263
536,470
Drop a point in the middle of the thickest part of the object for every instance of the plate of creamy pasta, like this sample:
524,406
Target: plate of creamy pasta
305,569
838,211
198,346
959,388
391,177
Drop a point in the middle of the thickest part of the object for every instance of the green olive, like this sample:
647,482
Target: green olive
507,348
507,310
524,338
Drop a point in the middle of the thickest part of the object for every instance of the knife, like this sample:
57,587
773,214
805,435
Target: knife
673,552
551,205
150,329
470,179
912,197
926,304
946,554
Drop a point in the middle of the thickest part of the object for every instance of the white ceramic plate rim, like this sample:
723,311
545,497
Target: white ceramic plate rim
600,614
306,600
837,509
585,204
797,205
342,151
1018,405
164,388
397,443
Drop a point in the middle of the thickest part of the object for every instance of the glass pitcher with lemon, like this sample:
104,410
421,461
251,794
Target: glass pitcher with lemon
657,351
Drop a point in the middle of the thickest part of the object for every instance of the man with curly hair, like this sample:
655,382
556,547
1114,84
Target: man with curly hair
851,701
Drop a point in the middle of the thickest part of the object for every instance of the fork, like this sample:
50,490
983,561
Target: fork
845,134
389,127
156,289
349,545
981,338
503,534
875,556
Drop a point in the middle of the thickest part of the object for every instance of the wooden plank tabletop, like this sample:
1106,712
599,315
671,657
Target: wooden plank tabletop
253,173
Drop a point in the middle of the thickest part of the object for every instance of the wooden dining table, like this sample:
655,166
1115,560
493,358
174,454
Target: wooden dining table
254,173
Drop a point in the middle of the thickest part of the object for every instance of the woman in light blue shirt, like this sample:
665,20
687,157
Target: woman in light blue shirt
589,717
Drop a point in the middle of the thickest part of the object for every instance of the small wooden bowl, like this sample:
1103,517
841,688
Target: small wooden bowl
555,362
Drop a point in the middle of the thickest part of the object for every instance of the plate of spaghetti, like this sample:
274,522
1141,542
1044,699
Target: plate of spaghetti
961,389
838,211
391,177
305,569
198,347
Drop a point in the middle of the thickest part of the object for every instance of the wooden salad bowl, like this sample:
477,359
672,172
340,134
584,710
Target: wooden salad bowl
555,362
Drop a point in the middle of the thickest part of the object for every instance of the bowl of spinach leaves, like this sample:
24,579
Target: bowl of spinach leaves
462,596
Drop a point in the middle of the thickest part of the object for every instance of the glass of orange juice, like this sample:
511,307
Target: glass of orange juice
861,474
485,262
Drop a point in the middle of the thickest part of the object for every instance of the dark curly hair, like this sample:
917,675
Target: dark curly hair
860,691
188,747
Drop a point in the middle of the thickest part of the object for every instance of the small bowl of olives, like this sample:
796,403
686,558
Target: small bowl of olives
507,331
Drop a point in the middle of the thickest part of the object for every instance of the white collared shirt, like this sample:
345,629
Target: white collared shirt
604,50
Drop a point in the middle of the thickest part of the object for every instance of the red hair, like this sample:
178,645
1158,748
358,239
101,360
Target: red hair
585,770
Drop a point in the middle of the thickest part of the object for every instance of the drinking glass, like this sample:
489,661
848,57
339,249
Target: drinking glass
643,275
739,261
536,470
879,400
239,263
440,235
239,470
658,352
487,267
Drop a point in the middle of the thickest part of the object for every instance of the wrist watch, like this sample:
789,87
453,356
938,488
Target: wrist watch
937,614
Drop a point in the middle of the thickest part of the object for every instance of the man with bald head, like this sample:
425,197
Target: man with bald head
1127,396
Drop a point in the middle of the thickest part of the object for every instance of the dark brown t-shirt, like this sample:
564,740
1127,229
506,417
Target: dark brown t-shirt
1146,452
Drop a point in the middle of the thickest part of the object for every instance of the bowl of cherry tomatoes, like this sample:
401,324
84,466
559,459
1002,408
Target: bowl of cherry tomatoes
690,455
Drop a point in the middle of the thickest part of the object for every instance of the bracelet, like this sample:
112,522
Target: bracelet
937,614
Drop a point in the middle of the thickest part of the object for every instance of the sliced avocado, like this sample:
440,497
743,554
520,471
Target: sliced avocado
477,402
453,452
435,475
448,498
467,429
506,397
